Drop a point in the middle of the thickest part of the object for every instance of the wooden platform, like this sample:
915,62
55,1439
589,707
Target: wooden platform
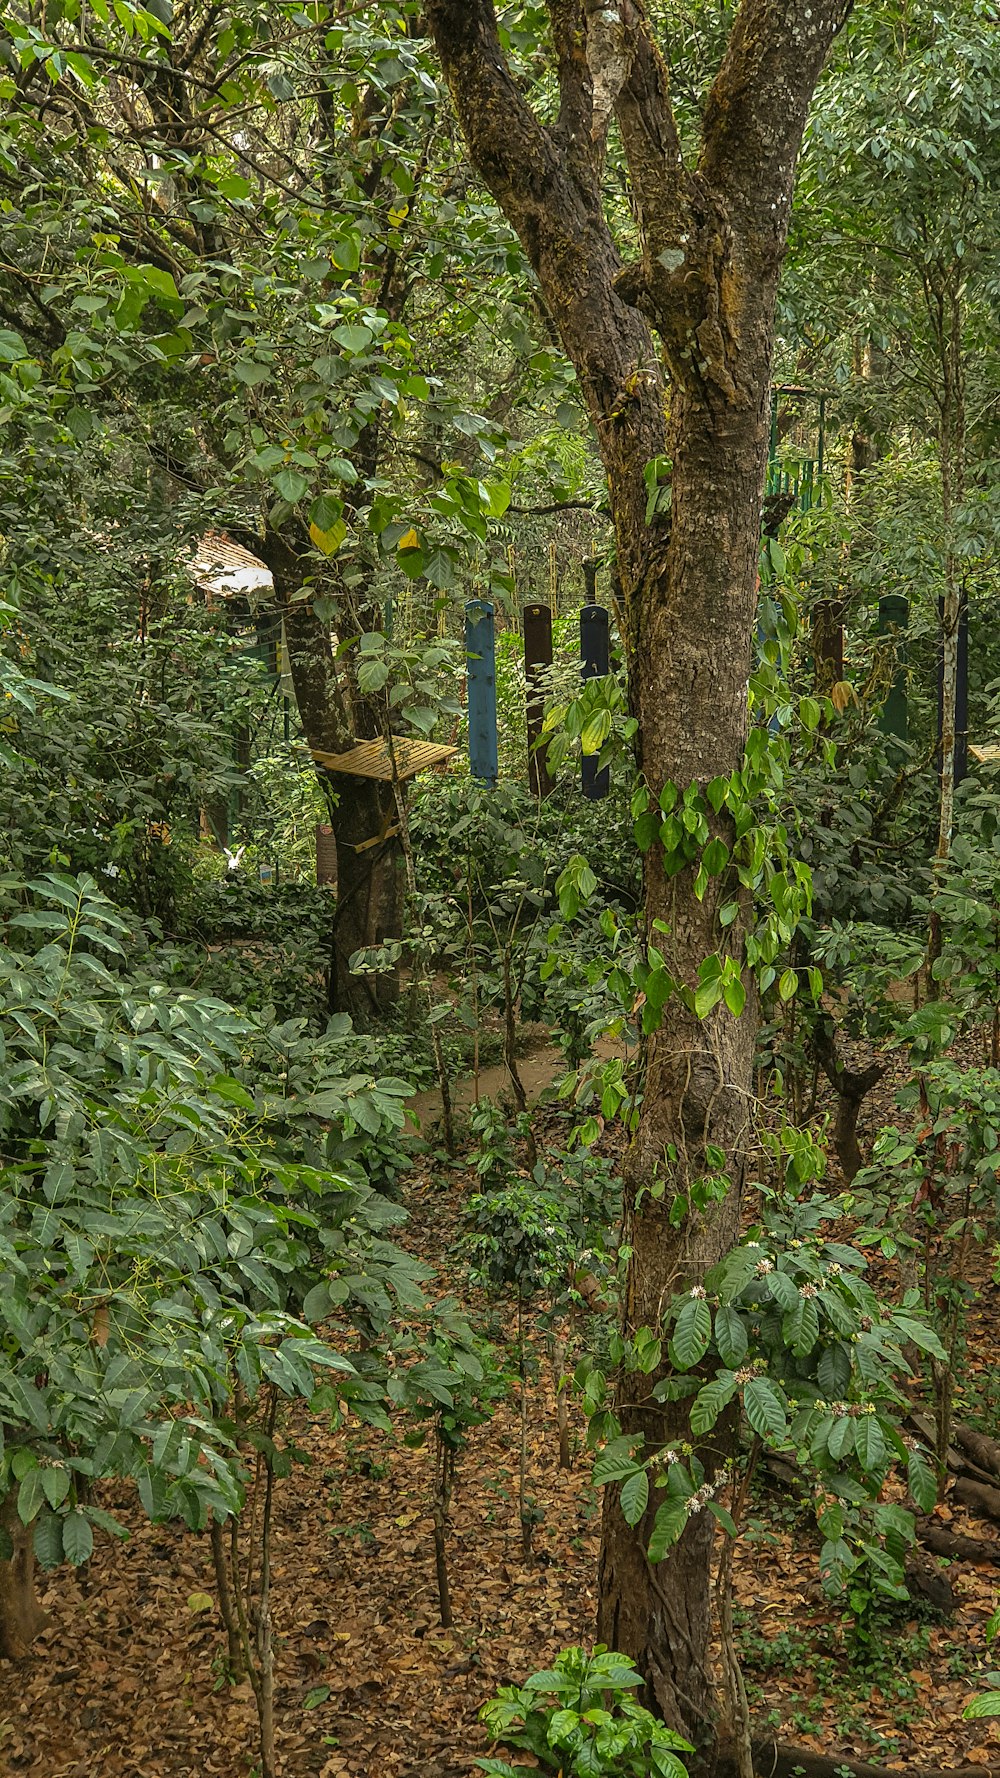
371,759
988,754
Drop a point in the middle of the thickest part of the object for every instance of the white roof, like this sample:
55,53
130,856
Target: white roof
227,570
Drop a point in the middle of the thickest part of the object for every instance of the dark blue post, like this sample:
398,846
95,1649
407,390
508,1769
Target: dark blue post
595,663
482,683
537,662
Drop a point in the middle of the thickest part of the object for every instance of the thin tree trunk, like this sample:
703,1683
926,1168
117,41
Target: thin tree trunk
562,1413
265,1637
441,1509
21,1616
522,1471
947,319
227,1605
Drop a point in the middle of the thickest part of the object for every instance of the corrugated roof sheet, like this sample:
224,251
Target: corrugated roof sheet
228,571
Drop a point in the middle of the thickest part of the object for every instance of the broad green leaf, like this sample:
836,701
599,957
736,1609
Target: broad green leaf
78,1538
869,1444
290,485
987,1704
691,1335
764,1410
635,1496
921,1481
731,1341
47,1539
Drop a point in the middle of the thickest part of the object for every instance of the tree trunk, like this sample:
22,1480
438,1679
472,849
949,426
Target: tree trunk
711,239
946,312
21,1616
369,908
851,1085
692,665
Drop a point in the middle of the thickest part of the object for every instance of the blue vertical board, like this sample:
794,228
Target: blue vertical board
595,663
482,683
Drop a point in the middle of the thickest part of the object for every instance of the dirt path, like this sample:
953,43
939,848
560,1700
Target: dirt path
539,1067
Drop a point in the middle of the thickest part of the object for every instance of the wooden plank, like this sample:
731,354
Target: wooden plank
988,754
371,759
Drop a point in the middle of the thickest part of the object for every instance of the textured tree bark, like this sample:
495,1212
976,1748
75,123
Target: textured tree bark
21,1616
712,236
851,1085
369,907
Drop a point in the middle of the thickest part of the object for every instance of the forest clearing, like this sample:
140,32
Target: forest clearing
499,889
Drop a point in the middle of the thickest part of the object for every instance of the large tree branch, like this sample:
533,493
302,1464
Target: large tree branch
759,102
545,182
712,236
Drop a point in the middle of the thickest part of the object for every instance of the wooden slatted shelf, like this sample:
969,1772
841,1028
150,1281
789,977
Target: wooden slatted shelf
371,759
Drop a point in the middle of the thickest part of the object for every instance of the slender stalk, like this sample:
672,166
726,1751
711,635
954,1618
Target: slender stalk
265,1637
227,1604
441,1506
562,1414
522,1496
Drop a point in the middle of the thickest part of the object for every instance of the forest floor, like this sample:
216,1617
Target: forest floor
129,1679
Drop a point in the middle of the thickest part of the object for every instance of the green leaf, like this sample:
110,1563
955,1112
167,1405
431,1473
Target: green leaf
731,1341
30,1495
710,1402
724,1517
78,1538
353,336
691,1335
921,1481
670,1521
635,1497
763,1408
869,1443
987,1704
614,1463
735,996
715,857
840,1443
800,1327
48,1539
833,1373
56,1483
290,485
783,1290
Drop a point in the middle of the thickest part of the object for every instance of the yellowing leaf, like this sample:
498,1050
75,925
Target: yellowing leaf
328,541
409,540
200,1602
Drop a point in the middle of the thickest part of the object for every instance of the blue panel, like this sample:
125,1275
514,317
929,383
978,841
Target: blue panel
595,663
482,680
